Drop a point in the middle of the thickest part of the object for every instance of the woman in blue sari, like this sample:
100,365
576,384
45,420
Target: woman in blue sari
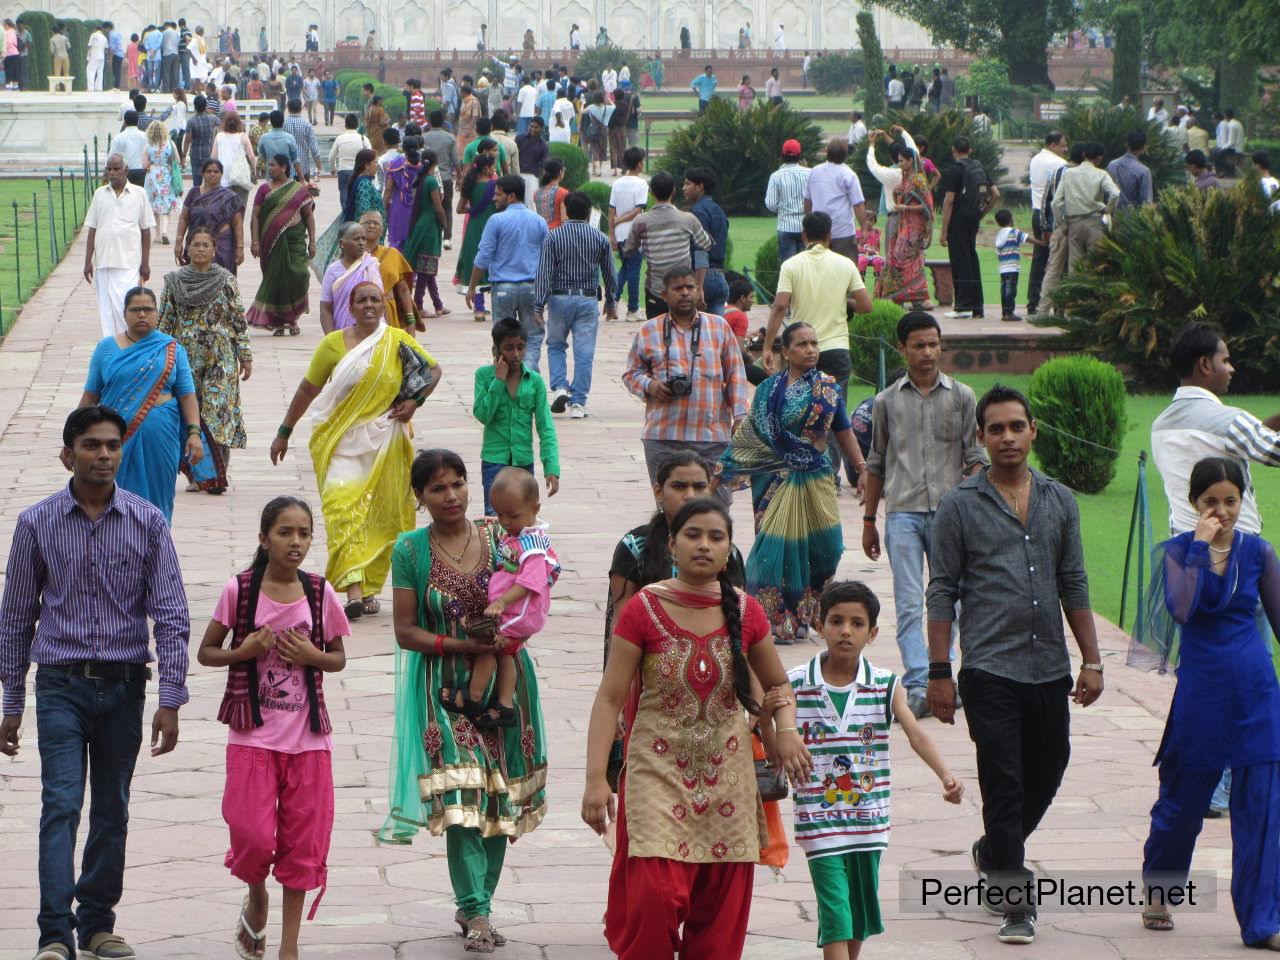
1225,713
782,448
145,376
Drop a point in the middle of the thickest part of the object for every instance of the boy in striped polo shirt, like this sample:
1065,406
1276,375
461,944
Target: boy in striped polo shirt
844,709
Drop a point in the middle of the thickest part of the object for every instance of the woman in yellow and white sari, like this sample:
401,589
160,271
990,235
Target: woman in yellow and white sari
363,386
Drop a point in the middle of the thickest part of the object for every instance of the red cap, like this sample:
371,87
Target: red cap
791,148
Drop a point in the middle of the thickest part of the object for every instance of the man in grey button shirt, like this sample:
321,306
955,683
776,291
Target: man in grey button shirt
1006,544
923,441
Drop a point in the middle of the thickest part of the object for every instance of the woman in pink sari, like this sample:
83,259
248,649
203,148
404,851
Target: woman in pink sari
352,267
904,278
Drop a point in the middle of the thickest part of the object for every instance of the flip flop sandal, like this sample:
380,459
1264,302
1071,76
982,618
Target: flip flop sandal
371,605
259,937
354,609
443,311
1159,920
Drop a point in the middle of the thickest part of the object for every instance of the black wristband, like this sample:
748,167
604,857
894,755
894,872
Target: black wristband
869,518
939,669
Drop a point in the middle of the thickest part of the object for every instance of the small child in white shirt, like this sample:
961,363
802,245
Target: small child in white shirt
1009,240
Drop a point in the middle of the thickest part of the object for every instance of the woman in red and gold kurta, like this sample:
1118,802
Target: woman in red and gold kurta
690,823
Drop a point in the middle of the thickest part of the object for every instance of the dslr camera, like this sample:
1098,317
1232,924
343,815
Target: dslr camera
679,386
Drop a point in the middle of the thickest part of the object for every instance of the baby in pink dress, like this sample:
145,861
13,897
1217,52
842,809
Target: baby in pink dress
869,246
519,590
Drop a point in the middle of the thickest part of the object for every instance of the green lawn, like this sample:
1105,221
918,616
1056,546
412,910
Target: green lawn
748,233
1104,517
671,98
19,254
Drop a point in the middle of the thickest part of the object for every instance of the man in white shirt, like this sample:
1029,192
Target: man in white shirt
627,199
833,189
526,102
1158,114
116,257
890,177
857,129
342,155
896,93
131,145
94,59
391,138
609,82
575,38
773,87
779,41
481,40
785,196
1039,172
804,69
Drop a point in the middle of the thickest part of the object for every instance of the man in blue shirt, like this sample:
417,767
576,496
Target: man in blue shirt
509,251
546,101
280,141
705,86
115,44
699,185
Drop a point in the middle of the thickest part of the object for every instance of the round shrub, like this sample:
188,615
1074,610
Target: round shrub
768,265
599,194
575,164
865,332
353,91
1085,397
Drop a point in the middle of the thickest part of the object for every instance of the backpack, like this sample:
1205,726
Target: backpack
975,194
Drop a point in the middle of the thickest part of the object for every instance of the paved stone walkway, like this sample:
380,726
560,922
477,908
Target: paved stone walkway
387,902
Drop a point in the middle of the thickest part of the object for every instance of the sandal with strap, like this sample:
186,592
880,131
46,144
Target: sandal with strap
371,605
473,710
480,936
294,330
460,919
278,332
259,937
496,716
354,609
1157,920
53,951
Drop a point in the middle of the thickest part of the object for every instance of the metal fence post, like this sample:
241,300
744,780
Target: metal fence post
1139,524
86,175
53,224
75,209
17,243
35,225
62,195
880,366
95,155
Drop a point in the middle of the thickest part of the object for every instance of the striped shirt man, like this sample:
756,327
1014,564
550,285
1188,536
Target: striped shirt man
844,808
718,395
308,146
1133,178
785,196
575,257
78,589
665,234
1197,424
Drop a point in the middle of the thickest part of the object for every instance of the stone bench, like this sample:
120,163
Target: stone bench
61,84
943,287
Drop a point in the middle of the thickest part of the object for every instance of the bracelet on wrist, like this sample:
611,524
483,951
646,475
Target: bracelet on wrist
420,400
939,669
193,429
439,645
787,730
869,518
284,432
1091,666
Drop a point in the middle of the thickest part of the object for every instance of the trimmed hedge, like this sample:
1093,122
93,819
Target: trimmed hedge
352,96
864,353
599,194
40,62
78,35
768,265
1085,397
575,164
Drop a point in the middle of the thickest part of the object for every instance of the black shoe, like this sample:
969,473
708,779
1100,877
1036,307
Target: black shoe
982,875
1018,927
560,401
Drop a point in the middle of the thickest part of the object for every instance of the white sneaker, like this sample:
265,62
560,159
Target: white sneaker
559,400
578,412
635,316
958,314
448,244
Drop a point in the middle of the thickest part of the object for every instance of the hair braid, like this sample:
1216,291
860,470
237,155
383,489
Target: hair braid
729,606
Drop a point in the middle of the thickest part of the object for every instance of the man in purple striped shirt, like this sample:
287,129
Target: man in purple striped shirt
87,567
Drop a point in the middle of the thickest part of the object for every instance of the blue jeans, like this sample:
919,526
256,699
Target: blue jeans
788,246
715,290
344,181
578,317
629,278
489,473
515,300
908,542
91,727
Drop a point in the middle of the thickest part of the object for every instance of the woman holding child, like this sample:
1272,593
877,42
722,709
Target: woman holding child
904,277
694,640
363,386
480,789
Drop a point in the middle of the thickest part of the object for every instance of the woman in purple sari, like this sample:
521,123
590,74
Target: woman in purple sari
398,194
353,267
217,209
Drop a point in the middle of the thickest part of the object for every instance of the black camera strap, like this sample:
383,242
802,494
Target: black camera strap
696,330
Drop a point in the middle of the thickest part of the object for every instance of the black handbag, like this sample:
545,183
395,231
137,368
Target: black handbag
770,781
613,770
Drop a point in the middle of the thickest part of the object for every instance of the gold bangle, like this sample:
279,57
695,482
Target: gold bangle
787,730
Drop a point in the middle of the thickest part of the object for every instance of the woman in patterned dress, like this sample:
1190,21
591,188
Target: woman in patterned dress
480,790
201,309
690,826
163,192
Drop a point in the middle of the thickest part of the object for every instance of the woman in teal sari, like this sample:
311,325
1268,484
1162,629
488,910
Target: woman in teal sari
145,376
362,195
480,789
782,448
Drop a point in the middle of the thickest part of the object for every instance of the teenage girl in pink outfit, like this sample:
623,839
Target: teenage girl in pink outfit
286,631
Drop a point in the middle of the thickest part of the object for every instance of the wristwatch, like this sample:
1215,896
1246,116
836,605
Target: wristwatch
1091,666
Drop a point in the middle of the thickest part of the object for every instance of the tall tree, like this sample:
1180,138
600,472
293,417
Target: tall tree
1126,67
872,65
1016,31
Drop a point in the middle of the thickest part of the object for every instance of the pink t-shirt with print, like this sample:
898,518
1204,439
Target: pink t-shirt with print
282,687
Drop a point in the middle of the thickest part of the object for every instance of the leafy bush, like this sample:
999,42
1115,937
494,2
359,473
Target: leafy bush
575,164
837,72
941,130
353,93
768,265
1192,255
742,149
599,194
872,64
1126,68
1109,126
865,332
393,100
988,80
41,61
78,37
592,62
1085,397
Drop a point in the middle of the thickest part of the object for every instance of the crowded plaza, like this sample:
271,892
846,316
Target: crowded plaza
561,487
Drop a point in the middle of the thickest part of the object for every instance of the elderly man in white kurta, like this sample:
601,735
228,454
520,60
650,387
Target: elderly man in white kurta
117,256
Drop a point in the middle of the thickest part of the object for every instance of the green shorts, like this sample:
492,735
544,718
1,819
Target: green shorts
847,886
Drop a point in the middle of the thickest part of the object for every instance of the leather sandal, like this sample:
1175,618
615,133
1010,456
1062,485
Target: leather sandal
461,920
480,936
